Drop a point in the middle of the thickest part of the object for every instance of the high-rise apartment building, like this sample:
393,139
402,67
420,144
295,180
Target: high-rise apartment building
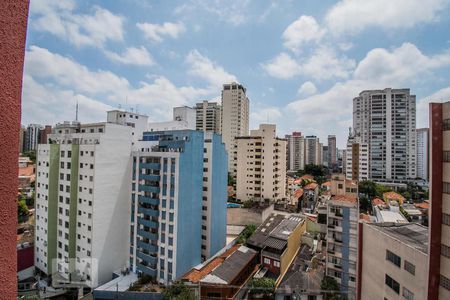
208,116
332,151
295,155
313,150
261,165
386,121
32,136
82,202
342,234
43,134
357,159
393,261
422,153
325,155
178,205
183,118
22,135
439,213
234,119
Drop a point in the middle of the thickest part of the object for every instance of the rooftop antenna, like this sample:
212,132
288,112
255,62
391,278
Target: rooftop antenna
76,111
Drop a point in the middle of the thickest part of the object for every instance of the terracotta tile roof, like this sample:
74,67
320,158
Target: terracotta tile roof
307,177
195,275
423,205
378,201
393,196
310,186
328,183
350,183
326,193
26,171
298,193
345,198
364,217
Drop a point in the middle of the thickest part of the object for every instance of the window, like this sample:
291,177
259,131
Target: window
407,294
88,253
446,124
409,267
69,153
69,165
446,219
445,250
446,156
62,153
446,187
394,285
445,282
61,176
276,263
266,261
91,166
393,258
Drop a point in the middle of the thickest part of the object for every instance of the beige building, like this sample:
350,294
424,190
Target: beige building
261,165
208,116
234,119
313,150
393,261
439,253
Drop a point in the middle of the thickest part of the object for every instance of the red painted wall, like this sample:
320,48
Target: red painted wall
13,29
25,258
271,267
435,212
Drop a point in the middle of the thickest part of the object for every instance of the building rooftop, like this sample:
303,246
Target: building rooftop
262,233
348,199
412,234
121,283
423,205
393,196
230,268
286,227
298,193
389,216
311,186
378,201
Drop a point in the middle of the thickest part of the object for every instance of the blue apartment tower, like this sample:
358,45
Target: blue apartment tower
179,195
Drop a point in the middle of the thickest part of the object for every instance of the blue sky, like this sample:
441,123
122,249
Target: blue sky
301,61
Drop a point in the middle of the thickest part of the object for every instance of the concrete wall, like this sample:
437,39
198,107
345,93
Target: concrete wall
375,266
244,216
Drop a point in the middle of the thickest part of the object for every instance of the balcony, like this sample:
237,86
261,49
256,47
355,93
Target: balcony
147,270
148,211
151,189
149,247
149,200
148,258
151,177
155,166
147,234
147,223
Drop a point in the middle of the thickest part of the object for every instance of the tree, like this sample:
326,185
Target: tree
330,289
179,291
262,286
381,189
367,187
22,210
231,180
246,233
315,170
31,154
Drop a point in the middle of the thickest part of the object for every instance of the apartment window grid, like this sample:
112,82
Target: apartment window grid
444,282
445,250
446,187
390,282
446,124
446,156
407,294
446,219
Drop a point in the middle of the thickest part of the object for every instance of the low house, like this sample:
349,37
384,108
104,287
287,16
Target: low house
311,194
393,196
342,186
223,276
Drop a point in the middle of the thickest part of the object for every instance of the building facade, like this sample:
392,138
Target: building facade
332,151
439,213
82,202
234,119
393,261
357,159
261,165
422,153
43,134
178,206
295,154
313,150
208,116
32,136
183,117
342,242
386,121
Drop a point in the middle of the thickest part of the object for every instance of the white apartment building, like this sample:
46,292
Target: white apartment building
295,151
234,119
32,136
393,261
386,121
208,116
183,118
357,159
261,165
422,153
313,150
83,192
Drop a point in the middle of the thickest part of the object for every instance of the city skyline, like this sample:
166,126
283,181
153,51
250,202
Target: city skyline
153,58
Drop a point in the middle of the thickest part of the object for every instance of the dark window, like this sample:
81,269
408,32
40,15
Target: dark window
446,124
394,285
445,282
393,258
446,156
446,187
410,267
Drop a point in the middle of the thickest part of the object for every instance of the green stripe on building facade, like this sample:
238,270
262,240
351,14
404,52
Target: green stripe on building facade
73,206
53,179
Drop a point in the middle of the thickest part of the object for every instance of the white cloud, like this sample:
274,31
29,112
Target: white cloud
59,19
157,32
322,64
306,89
263,115
353,16
202,67
302,31
422,107
132,56
282,66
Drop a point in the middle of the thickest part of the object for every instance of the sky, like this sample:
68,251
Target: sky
302,61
